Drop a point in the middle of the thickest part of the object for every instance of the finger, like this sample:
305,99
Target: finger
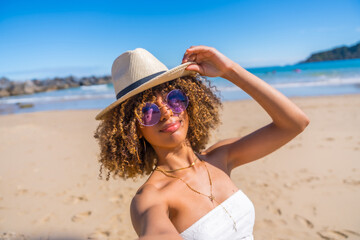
196,68
198,49
202,52
187,55
192,57
196,46
191,53
185,58
189,58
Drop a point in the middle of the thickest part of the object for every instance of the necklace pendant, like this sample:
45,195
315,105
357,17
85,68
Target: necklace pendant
211,197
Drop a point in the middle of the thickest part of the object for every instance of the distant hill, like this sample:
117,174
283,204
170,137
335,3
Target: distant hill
339,53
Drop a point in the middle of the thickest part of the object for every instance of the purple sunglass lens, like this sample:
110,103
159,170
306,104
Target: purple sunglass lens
177,101
150,114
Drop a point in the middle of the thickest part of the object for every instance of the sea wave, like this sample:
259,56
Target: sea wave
95,88
325,82
56,98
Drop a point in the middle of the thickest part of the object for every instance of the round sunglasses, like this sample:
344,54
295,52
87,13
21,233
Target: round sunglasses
150,114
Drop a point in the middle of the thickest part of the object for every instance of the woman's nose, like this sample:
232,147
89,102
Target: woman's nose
166,112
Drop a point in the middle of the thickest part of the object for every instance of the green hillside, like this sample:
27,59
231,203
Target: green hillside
339,53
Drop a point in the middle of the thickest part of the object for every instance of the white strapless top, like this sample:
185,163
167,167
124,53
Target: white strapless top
217,224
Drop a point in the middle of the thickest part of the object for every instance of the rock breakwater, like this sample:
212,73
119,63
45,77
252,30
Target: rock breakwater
13,88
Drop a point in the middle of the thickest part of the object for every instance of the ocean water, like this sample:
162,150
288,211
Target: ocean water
309,79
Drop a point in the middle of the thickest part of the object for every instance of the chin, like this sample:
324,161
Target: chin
176,138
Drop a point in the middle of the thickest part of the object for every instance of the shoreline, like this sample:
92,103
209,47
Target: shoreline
308,189
25,108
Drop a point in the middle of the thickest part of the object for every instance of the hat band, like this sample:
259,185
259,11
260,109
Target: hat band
137,84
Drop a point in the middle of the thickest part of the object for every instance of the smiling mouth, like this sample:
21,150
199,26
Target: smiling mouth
172,127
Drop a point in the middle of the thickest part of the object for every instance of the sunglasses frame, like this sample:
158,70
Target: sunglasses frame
167,97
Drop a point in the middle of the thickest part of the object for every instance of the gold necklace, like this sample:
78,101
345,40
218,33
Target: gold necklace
211,196
170,171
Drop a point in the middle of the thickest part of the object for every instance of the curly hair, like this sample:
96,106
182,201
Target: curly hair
125,155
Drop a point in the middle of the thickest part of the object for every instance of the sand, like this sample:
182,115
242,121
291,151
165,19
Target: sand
308,189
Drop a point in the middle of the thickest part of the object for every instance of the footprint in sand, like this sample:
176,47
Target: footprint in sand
332,234
21,190
304,221
351,181
81,216
269,222
99,235
12,235
291,185
116,218
274,209
117,199
350,232
310,179
44,219
75,199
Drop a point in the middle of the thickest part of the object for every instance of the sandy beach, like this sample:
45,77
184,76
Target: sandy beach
308,189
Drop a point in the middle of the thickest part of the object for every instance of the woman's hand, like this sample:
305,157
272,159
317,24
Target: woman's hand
209,61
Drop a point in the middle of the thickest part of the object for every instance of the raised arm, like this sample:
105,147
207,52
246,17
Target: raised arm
288,119
149,216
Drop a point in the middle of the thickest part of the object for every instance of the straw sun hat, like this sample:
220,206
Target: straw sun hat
136,71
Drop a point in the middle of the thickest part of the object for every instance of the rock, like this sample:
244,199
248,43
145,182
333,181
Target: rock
4,93
11,88
71,81
25,105
16,88
29,87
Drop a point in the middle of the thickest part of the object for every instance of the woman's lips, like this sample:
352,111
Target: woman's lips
172,127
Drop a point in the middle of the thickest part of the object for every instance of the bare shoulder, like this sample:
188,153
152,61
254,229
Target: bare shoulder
149,212
146,197
217,154
220,146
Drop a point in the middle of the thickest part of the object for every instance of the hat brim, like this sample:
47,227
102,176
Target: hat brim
167,76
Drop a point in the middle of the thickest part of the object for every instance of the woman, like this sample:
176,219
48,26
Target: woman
159,125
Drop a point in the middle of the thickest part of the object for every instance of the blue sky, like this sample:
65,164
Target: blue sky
41,39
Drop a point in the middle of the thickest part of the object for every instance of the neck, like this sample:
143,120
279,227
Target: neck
174,158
